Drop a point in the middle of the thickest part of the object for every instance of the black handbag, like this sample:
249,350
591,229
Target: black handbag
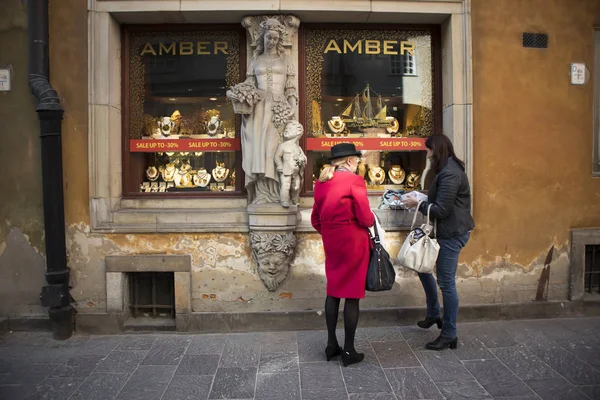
380,274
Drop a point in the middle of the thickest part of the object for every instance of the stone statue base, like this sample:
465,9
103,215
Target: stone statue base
272,241
272,217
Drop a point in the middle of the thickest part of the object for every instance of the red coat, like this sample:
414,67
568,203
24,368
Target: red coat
341,214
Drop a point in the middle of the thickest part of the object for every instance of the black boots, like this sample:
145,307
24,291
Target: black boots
332,351
442,343
351,357
428,323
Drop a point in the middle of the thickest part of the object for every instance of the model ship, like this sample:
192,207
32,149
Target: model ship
360,113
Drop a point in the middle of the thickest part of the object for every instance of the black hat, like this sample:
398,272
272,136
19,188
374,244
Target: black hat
343,150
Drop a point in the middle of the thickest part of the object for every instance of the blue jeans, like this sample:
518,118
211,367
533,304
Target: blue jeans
446,265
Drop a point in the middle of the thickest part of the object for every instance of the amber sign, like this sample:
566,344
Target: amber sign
151,146
367,46
185,48
390,144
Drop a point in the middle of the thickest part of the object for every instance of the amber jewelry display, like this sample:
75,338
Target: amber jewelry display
413,181
201,178
152,173
376,175
220,173
396,174
168,174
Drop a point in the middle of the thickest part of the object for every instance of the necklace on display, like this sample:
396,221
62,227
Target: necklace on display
152,173
220,172
202,178
396,174
169,172
377,175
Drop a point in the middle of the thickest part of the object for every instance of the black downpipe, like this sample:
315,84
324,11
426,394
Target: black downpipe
55,295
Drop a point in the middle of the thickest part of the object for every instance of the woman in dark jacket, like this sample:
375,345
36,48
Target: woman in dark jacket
450,200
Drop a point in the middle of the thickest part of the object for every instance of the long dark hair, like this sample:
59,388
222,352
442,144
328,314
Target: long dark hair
442,150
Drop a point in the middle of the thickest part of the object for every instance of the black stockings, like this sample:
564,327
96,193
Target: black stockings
332,305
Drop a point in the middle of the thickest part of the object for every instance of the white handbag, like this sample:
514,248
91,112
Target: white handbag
420,253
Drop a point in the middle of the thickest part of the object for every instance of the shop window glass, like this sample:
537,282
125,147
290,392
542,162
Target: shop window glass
181,135
365,86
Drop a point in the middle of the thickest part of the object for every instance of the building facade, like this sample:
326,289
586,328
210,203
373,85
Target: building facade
159,223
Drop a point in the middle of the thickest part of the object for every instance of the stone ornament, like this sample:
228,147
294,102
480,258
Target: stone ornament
273,254
252,25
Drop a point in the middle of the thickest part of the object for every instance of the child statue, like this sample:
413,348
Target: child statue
290,162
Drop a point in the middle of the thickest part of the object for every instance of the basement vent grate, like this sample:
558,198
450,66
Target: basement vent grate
592,268
152,294
535,40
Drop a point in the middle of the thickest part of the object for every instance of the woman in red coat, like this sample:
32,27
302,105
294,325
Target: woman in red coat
341,214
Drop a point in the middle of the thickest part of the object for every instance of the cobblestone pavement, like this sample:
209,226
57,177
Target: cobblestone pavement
520,360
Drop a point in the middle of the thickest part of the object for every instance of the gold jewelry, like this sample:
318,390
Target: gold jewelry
376,175
169,172
395,125
336,125
396,174
220,173
201,178
152,173
413,180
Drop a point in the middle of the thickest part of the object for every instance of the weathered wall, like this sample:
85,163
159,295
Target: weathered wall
532,141
21,215
532,132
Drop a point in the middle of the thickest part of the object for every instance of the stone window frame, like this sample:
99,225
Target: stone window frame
111,213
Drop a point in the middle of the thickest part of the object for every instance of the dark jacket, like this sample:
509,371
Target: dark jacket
450,196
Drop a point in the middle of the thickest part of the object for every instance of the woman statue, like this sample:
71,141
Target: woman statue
273,76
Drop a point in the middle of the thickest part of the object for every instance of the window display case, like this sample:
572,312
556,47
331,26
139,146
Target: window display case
181,134
376,89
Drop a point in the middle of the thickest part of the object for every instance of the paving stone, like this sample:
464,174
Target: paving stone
395,354
188,388
28,374
15,392
271,363
94,345
532,396
148,382
55,389
496,379
372,396
366,377
566,364
492,334
241,350
524,363
463,390
100,386
412,383
384,333
311,345
593,392
278,342
327,394
121,361
471,348
320,376
77,367
234,383
556,388
283,386
206,344
417,338
167,351
137,342
204,364
586,348
444,366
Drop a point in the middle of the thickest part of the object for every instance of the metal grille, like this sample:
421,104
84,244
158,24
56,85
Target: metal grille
535,40
152,294
592,268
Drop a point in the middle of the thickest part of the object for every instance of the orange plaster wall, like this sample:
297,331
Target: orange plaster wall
532,129
69,76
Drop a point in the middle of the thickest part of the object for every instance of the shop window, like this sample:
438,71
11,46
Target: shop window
385,104
180,134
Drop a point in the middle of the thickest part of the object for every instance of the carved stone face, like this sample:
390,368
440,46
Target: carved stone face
273,269
271,39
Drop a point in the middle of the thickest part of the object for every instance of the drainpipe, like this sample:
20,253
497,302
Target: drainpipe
55,294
